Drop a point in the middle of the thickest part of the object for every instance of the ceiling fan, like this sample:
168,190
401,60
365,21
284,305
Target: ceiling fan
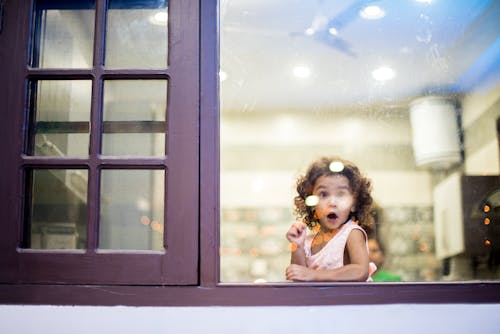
327,29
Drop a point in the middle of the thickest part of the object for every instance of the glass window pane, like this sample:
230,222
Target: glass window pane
134,117
407,90
64,34
137,34
56,215
132,210
60,116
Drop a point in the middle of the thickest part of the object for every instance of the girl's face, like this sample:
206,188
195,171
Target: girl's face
335,201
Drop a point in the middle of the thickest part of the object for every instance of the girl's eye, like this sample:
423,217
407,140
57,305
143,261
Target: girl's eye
343,193
323,194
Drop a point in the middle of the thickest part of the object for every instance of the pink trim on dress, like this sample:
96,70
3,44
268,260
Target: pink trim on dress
331,256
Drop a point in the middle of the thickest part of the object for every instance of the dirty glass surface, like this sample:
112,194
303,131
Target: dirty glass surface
137,34
407,90
63,34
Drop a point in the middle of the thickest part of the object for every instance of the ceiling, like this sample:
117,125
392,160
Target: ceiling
438,46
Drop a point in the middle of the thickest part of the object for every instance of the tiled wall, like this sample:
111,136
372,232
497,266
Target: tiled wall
407,234
254,247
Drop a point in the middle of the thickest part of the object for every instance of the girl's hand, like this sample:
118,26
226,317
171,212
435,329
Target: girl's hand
298,273
297,234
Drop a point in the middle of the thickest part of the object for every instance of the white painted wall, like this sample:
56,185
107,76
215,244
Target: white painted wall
277,188
484,161
475,104
373,319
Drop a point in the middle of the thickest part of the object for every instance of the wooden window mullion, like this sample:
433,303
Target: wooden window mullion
95,128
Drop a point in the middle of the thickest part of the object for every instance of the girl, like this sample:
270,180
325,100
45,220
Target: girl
333,198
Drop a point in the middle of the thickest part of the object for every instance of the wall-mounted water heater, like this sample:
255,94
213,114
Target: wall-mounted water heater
435,131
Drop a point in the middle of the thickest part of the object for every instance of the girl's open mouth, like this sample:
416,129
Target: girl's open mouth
332,216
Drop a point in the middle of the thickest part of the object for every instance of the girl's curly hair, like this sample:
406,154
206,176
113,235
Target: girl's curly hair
360,187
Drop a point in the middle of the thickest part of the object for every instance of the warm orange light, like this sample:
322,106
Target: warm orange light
267,230
251,215
422,247
486,208
229,251
487,242
292,247
145,220
156,226
254,252
487,221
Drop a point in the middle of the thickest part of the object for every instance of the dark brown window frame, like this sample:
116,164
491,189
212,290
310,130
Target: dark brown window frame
180,164
209,291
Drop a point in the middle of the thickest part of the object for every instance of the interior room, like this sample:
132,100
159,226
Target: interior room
407,90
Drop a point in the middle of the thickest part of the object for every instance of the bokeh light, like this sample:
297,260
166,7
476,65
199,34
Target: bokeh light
156,226
336,166
312,200
145,220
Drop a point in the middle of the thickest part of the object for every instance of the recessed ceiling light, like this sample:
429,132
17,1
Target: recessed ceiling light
372,12
301,71
160,18
383,73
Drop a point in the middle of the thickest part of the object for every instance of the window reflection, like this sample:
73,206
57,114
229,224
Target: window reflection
137,34
131,220
410,96
64,34
56,207
59,118
134,114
